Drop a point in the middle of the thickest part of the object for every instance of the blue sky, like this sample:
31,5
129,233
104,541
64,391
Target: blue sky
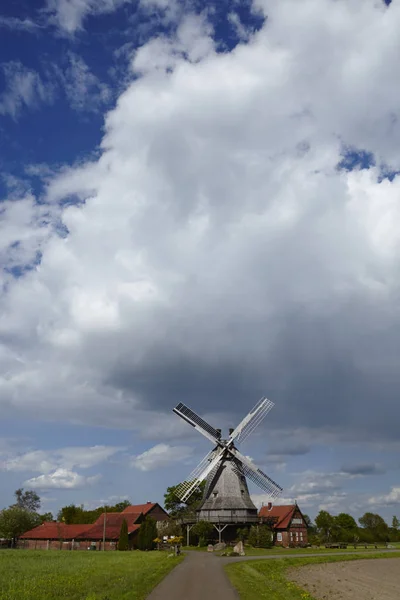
198,204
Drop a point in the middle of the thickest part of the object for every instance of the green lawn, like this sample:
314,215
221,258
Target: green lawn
255,580
295,551
49,575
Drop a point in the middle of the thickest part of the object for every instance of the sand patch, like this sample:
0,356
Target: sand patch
376,579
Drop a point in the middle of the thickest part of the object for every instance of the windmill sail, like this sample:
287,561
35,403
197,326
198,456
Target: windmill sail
256,475
209,462
197,422
252,420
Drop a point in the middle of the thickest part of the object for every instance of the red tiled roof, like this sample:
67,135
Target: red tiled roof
139,508
113,526
283,514
54,531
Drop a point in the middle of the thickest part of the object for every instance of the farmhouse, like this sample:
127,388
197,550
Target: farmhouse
59,536
287,521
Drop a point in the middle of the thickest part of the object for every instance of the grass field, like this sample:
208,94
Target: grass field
295,551
267,579
41,575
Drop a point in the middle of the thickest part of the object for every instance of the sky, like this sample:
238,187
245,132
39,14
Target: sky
199,203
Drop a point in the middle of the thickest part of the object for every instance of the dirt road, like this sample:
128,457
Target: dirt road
353,580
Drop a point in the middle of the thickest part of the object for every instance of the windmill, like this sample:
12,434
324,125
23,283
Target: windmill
226,499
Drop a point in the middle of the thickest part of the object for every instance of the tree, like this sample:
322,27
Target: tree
172,528
46,517
260,536
374,526
346,522
119,507
28,500
123,542
325,523
77,515
395,523
15,521
177,508
310,525
147,534
203,530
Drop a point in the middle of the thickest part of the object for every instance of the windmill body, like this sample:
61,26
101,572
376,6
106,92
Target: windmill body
226,496
226,500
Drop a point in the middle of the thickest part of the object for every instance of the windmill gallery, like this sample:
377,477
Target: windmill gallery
226,502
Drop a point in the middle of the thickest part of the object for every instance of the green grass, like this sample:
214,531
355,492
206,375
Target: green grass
49,575
295,551
255,580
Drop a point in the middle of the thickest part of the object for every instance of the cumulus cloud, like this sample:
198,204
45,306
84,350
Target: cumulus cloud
61,479
161,456
63,459
218,253
389,499
24,88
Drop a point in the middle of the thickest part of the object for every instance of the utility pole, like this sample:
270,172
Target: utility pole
104,528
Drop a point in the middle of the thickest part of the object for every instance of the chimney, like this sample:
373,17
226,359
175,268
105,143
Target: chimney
269,505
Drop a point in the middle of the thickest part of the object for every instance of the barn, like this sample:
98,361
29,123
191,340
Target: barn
59,536
287,522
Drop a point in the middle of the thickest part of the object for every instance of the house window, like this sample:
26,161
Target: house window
301,535
278,537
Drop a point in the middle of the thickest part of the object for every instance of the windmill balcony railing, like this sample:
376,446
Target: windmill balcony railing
223,519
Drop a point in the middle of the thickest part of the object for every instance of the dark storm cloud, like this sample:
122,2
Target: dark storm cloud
317,371
288,449
363,469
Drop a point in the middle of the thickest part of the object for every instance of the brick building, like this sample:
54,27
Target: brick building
287,521
59,536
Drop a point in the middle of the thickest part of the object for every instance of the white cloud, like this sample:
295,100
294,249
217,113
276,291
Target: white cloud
61,479
24,88
242,31
161,456
389,499
83,89
217,242
63,459
69,15
193,40
14,23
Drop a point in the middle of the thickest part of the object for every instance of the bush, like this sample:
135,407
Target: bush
204,530
260,536
147,534
123,542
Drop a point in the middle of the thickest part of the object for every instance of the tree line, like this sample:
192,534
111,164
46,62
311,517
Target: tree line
371,528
